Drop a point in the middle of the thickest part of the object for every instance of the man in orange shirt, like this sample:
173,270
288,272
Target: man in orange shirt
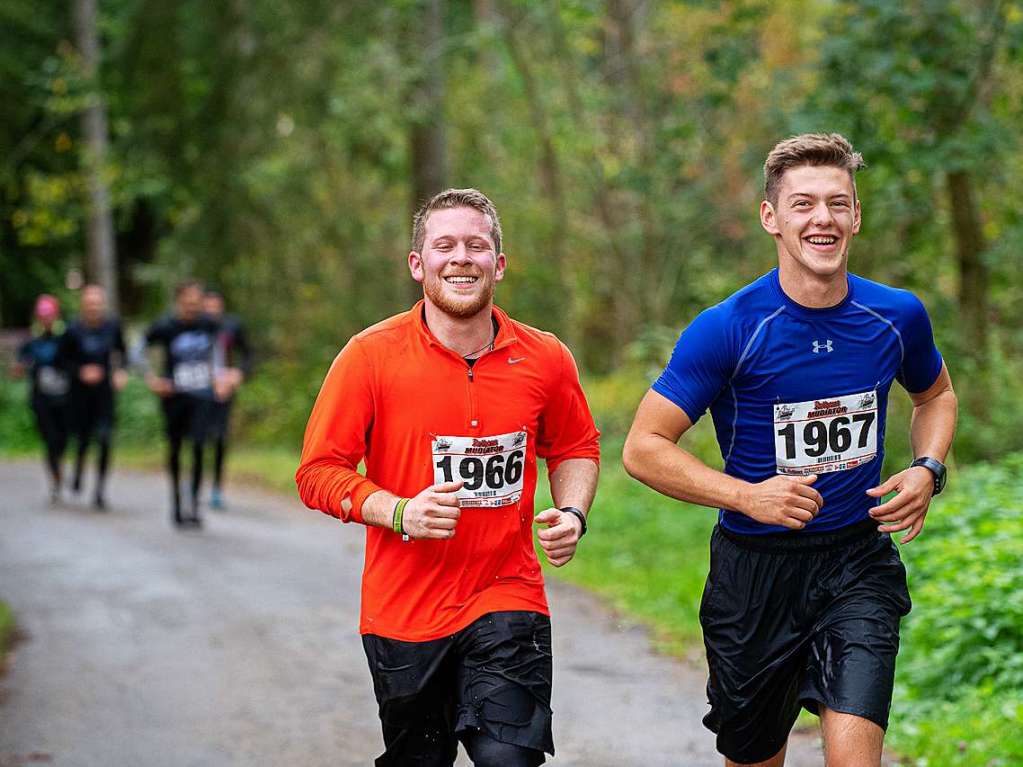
449,405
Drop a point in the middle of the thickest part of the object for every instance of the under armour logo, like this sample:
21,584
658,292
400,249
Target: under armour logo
826,346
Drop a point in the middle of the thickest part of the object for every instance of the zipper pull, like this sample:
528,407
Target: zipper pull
470,375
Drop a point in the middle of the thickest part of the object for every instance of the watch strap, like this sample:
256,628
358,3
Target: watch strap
936,467
578,513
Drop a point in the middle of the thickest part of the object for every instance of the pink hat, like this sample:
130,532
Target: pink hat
47,307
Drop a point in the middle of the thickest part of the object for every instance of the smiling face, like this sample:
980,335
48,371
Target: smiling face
814,220
457,264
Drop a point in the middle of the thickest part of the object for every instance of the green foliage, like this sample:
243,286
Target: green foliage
17,426
7,627
959,696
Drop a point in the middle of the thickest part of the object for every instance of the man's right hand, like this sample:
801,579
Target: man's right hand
783,500
434,512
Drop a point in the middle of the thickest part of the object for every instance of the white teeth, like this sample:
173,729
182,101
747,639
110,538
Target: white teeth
461,280
823,240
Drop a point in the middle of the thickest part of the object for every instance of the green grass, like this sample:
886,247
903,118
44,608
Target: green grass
6,629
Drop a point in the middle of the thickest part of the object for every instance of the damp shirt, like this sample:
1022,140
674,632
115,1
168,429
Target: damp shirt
190,353
418,414
47,370
93,345
796,390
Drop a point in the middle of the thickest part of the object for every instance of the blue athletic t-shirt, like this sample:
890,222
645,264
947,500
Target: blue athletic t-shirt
795,390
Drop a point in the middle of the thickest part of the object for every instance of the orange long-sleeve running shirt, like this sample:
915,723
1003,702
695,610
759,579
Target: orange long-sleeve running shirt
418,414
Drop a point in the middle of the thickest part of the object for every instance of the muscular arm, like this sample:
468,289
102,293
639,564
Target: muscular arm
652,456
931,429
574,483
933,423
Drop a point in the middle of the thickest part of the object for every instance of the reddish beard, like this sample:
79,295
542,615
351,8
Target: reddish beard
461,307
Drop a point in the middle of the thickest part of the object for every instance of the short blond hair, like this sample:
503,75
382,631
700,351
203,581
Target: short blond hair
814,149
455,198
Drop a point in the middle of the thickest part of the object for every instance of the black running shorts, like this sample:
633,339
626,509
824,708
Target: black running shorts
796,620
493,676
187,417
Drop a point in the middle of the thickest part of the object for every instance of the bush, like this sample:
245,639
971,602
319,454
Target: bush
959,697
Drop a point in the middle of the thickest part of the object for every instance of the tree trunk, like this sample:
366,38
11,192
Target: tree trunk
427,145
102,259
973,272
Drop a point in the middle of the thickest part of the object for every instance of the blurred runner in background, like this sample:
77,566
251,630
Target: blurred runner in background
94,349
193,378
49,384
234,353
185,386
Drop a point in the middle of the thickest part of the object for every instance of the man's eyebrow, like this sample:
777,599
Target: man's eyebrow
811,195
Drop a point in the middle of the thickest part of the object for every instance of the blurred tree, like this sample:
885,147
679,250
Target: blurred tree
102,258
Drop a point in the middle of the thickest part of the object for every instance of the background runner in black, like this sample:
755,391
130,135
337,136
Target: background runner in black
49,384
235,354
95,352
188,340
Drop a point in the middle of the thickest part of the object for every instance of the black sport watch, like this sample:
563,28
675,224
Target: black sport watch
937,468
577,513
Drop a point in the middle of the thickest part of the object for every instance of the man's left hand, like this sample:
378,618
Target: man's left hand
913,487
559,539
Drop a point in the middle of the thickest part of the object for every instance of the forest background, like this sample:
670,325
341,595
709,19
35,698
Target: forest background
277,151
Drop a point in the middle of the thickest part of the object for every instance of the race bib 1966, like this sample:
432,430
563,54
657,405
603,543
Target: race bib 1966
820,436
490,467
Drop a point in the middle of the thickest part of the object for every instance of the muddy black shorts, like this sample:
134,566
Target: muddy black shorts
795,620
492,677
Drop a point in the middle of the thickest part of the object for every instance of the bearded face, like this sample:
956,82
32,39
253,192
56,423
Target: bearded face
458,266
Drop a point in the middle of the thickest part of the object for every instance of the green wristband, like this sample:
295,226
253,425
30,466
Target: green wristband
399,511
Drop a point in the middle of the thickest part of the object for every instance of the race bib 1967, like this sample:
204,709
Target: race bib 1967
490,467
820,436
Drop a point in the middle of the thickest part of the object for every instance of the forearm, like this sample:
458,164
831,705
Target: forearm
574,483
378,509
933,425
665,467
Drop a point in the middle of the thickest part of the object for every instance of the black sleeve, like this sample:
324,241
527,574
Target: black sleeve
25,353
68,351
119,345
240,341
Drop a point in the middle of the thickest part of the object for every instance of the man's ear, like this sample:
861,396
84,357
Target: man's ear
415,266
769,218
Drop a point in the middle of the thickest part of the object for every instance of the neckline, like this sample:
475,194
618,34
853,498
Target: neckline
811,311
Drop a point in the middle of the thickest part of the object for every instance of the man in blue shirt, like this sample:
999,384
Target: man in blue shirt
806,589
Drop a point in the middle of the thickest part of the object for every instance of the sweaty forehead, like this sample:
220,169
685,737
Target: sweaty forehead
816,180
459,223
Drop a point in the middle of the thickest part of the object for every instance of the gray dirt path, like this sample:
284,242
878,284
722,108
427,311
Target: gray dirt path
237,645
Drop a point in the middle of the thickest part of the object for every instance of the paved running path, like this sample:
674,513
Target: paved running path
237,645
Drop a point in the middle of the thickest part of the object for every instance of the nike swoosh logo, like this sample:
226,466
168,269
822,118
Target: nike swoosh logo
514,360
